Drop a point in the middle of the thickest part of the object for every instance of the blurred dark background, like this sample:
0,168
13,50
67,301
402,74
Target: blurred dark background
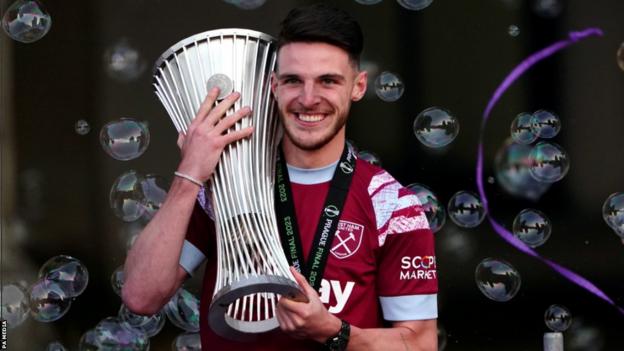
453,54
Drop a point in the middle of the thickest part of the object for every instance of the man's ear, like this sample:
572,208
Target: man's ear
273,82
359,88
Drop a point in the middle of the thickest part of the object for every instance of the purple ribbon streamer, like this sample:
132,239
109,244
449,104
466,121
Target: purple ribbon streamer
518,71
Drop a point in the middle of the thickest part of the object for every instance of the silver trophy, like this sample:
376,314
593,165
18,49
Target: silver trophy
252,270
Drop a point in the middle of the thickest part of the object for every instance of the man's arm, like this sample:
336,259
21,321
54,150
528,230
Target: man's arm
152,273
311,320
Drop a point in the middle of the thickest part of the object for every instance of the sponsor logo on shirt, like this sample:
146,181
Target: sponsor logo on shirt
418,267
335,288
347,239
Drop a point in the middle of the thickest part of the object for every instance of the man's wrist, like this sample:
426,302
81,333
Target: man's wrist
340,340
332,327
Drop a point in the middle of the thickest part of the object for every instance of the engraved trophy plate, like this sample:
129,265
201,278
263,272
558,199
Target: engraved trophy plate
252,270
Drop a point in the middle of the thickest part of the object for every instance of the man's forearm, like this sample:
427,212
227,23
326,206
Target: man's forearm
399,338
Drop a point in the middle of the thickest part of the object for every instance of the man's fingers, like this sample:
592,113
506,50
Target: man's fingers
218,111
303,283
237,135
180,140
207,104
229,121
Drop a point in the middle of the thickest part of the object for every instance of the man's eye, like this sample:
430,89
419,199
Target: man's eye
291,81
328,81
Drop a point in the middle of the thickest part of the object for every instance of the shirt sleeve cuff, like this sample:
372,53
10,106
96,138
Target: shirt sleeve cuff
191,257
409,307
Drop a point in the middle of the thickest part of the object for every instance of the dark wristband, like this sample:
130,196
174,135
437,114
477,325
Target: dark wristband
339,341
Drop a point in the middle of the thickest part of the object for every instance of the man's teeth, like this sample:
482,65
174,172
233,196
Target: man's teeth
310,118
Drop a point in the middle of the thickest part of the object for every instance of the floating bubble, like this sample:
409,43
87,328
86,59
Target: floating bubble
549,162
436,127
125,139
117,279
620,56
532,227
415,5
512,164
150,325
26,21
154,191
187,342
465,209
69,273
434,210
522,129
369,157
114,334
352,146
513,30
388,86
442,337
613,213
15,307
497,279
183,310
584,337
124,62
82,127
491,180
457,244
368,2
547,8
55,346
545,124
48,301
246,4
558,318
126,196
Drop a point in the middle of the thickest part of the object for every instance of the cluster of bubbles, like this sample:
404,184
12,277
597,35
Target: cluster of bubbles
388,86
557,318
60,280
123,62
532,227
613,213
436,127
246,4
134,195
26,21
125,139
113,333
497,279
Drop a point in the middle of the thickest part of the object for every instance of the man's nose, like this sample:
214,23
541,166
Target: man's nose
309,95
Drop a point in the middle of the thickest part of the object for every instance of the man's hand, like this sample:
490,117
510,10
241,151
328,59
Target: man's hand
207,135
306,320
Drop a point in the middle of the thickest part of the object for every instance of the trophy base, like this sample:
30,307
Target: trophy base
242,330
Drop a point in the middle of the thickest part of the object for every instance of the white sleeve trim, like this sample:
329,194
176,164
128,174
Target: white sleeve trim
191,257
410,307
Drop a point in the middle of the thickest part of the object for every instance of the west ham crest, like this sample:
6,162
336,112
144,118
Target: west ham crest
347,239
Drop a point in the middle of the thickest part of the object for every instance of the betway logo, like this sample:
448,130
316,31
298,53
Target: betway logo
340,293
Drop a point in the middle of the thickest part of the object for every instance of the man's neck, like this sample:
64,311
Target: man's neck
326,155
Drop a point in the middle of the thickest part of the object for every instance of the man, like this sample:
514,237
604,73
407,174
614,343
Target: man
380,265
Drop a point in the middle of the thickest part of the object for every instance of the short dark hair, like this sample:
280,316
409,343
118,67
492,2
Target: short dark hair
323,23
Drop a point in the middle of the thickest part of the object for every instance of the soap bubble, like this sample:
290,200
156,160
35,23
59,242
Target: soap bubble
117,279
352,146
512,164
183,310
246,4
124,62
558,318
126,196
369,157
55,346
69,273
583,336
532,227
187,342
114,334
434,210
15,307
465,209
497,279
82,127
125,139
613,212
522,129
154,191
26,21
513,30
442,338
150,325
48,301
368,2
545,124
547,8
620,56
549,162
388,86
435,127
415,5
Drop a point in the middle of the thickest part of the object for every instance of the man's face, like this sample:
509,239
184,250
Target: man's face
314,86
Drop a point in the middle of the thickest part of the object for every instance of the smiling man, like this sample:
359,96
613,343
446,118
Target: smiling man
368,265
